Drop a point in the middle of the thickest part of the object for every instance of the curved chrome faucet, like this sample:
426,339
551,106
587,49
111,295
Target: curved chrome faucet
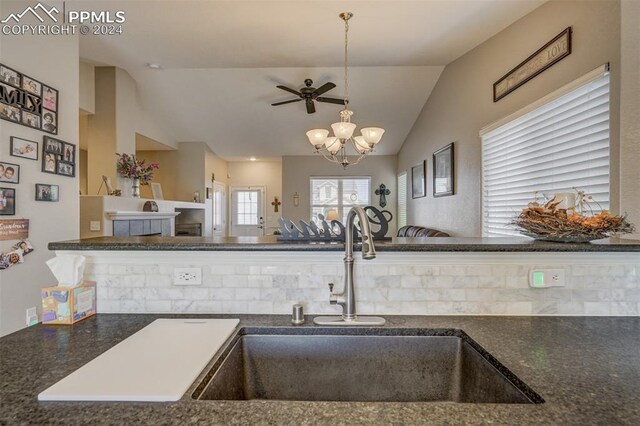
347,298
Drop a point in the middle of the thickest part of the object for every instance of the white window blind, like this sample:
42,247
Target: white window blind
333,197
560,145
402,200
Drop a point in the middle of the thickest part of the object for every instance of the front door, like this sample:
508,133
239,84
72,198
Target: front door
247,212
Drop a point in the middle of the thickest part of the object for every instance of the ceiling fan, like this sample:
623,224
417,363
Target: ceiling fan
309,94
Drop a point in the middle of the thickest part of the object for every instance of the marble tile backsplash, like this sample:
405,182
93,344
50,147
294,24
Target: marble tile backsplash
445,289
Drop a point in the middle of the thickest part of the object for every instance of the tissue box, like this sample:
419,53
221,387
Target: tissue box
68,305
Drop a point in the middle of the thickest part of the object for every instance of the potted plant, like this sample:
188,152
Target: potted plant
136,170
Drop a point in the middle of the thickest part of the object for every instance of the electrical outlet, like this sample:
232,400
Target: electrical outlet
32,316
542,278
94,225
187,276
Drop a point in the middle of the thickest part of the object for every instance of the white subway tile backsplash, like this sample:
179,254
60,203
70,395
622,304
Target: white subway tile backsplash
434,288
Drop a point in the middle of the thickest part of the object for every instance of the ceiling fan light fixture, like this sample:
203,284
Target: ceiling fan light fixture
317,137
372,135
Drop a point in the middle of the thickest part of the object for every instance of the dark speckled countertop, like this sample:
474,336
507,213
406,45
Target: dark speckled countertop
587,369
270,243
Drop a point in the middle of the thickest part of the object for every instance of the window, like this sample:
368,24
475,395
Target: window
402,200
333,197
247,207
559,143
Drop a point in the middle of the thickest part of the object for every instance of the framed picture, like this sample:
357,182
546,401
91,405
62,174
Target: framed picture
548,55
418,182
50,98
58,157
49,121
26,101
443,172
46,192
68,153
32,86
31,120
9,173
49,163
9,112
7,201
156,190
10,76
52,145
23,148
106,180
66,169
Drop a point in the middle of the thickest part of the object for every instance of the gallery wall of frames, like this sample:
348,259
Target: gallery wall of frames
27,102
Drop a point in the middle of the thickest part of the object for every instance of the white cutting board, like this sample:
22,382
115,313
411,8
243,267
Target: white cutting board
158,363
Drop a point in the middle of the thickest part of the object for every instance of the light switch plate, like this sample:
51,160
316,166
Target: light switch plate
543,278
94,225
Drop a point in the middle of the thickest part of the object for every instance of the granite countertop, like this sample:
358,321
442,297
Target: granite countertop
586,369
270,243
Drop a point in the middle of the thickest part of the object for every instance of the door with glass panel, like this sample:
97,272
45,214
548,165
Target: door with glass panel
247,212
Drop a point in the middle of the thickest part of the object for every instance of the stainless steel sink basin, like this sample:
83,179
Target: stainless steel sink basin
360,365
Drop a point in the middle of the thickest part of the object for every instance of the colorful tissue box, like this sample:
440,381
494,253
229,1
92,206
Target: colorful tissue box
64,305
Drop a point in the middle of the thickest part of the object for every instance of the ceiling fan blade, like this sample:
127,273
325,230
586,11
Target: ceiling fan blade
286,102
311,108
324,88
286,89
331,100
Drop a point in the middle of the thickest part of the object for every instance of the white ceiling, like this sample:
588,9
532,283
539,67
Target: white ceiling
221,62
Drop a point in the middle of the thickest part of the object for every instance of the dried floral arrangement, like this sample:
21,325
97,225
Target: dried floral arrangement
549,222
129,167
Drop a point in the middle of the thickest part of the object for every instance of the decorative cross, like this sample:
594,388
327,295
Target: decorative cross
383,192
275,204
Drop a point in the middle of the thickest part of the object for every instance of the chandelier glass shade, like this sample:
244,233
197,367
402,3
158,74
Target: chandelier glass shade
334,148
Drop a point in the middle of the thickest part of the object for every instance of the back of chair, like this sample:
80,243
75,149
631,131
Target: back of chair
420,231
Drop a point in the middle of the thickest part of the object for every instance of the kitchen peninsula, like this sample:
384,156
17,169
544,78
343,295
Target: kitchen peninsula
423,276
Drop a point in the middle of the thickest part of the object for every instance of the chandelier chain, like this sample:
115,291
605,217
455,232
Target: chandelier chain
346,67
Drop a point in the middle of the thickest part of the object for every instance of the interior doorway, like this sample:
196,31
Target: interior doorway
219,220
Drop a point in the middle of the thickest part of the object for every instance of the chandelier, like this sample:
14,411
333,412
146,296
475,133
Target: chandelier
334,148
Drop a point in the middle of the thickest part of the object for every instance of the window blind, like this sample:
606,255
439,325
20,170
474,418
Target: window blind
402,200
556,147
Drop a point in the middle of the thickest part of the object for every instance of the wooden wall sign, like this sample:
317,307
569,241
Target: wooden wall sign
26,101
545,57
14,229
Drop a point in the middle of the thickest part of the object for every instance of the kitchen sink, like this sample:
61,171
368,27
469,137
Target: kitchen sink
367,364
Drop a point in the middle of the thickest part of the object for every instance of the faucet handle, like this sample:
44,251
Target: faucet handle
330,287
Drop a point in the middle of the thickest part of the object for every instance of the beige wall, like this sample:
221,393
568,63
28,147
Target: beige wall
630,113
296,171
87,88
101,135
20,285
461,103
119,117
260,173
184,170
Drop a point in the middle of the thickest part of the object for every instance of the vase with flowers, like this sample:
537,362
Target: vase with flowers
136,170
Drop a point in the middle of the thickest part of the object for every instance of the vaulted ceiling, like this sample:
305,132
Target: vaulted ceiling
221,61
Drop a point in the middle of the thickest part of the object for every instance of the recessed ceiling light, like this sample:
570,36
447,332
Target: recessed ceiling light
154,66
253,159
